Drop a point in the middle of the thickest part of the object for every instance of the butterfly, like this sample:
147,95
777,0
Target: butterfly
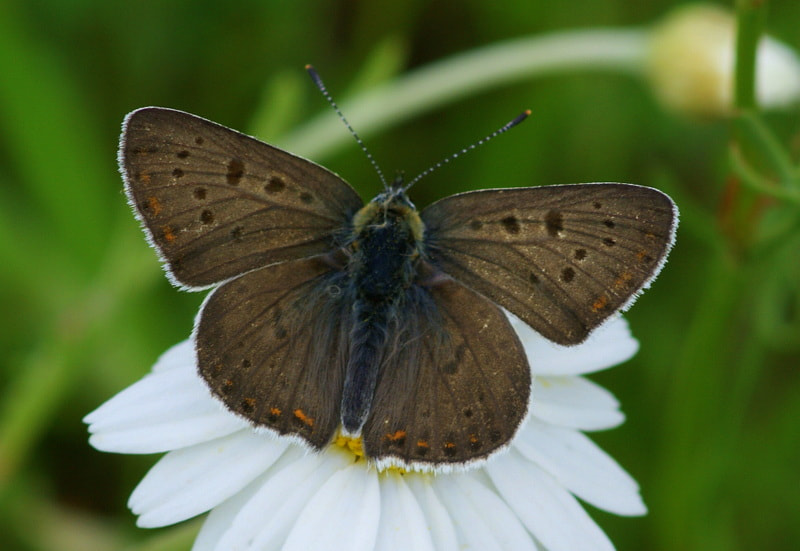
330,316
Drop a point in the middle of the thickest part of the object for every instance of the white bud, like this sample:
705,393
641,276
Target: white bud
691,63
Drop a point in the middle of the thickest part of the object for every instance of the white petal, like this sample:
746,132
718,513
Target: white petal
343,515
481,519
575,402
402,524
221,517
190,481
607,346
439,523
581,467
267,517
181,355
165,410
552,515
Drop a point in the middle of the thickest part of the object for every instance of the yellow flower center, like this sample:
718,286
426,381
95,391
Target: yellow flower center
355,446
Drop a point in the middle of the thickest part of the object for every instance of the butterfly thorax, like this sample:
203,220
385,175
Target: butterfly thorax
387,237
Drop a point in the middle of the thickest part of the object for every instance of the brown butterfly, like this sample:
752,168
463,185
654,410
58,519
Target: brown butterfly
377,320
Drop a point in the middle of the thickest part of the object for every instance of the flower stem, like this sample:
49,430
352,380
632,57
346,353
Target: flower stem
750,15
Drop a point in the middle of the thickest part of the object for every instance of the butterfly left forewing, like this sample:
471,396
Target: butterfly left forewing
562,258
454,386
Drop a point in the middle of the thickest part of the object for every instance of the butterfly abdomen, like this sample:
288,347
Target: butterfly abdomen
367,342
385,252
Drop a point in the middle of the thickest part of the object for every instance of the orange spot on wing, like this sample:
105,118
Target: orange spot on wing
144,177
398,435
275,411
155,205
473,439
623,278
449,445
169,234
600,303
423,444
302,417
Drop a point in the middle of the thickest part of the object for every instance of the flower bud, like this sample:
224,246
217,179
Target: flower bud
692,57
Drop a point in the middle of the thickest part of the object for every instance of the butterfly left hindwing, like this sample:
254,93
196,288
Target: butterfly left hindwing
271,346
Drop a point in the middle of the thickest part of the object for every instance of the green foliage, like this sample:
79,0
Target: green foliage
713,397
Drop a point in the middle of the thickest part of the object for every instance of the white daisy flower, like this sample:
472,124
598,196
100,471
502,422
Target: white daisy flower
265,492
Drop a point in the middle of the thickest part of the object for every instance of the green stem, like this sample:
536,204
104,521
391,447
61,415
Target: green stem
750,15
751,131
758,183
467,74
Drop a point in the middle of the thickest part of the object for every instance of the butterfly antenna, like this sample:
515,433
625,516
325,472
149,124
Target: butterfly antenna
505,128
321,85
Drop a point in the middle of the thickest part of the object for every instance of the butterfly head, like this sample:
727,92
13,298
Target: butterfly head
390,206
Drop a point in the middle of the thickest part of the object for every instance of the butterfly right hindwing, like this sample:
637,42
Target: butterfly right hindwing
455,384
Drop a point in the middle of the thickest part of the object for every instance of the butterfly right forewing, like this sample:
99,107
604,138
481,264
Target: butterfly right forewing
561,258
217,203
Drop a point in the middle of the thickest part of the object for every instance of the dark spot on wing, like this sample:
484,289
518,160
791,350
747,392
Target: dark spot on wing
567,275
580,254
475,225
609,223
207,217
608,242
597,205
554,221
533,278
198,140
178,173
306,197
235,172
511,224
182,154
236,233
275,185
199,193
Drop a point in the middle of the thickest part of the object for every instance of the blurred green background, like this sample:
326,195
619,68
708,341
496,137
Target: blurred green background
712,398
